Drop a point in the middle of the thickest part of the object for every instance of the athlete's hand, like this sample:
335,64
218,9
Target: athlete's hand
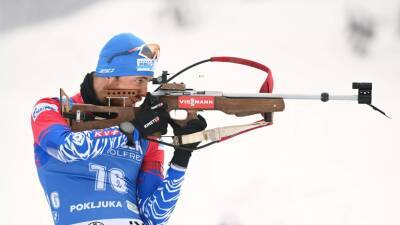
152,118
191,127
181,157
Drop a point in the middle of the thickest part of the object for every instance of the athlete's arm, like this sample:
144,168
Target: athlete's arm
157,196
52,133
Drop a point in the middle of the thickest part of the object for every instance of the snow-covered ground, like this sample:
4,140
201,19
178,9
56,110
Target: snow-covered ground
332,163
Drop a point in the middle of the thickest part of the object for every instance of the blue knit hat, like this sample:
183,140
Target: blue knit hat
115,59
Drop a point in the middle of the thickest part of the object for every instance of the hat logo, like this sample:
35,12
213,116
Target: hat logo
144,64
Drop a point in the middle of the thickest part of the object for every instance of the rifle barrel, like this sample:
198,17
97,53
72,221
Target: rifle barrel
292,96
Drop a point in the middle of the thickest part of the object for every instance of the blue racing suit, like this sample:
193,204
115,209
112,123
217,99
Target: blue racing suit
93,177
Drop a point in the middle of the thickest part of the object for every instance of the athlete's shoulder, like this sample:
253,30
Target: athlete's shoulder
43,105
45,114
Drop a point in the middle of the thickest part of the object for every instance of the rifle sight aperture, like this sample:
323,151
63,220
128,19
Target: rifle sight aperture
161,79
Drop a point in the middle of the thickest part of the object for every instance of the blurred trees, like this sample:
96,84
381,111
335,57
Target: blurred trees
16,13
180,13
361,30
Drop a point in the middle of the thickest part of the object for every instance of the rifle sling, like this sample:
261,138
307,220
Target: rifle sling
218,134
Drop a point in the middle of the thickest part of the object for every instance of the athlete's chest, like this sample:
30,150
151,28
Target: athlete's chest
115,170
126,160
123,162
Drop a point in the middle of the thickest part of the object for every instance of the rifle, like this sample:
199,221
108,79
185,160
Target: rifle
178,97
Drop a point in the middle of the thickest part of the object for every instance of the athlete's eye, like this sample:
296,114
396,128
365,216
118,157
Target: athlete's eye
140,81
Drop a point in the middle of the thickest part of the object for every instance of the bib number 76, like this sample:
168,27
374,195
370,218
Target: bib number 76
116,178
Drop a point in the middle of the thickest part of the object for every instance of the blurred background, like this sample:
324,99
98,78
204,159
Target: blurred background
320,163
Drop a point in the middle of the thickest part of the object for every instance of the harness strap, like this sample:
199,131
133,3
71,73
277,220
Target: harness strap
218,134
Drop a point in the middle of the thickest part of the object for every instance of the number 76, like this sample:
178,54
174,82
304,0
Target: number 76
116,178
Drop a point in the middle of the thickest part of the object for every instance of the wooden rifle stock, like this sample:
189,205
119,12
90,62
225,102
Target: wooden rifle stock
234,106
87,121
82,116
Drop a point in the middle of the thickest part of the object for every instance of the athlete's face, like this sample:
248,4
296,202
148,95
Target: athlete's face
137,83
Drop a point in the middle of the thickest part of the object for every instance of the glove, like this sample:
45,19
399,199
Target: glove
181,157
152,117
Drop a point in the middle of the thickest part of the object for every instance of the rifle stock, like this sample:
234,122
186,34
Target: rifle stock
122,114
77,114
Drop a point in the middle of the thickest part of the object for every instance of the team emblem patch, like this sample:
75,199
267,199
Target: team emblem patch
42,107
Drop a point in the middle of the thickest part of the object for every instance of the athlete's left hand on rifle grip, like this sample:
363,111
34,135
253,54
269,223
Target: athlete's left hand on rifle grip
192,126
152,118
181,157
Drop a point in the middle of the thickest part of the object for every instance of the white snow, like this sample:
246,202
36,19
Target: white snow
320,163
